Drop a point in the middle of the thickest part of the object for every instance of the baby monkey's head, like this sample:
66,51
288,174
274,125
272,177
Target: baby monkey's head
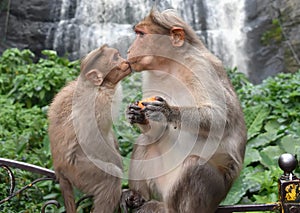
104,66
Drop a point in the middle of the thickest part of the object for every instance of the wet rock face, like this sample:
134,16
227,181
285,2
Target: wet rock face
264,60
28,23
290,14
62,25
267,60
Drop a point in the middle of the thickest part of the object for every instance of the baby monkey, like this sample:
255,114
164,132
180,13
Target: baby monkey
84,150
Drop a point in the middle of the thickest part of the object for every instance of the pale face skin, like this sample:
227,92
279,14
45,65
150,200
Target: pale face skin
108,68
122,67
139,63
151,50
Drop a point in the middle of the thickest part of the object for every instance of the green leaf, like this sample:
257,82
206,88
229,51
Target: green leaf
251,156
240,187
51,196
272,126
273,197
269,156
263,139
21,147
255,116
42,94
290,144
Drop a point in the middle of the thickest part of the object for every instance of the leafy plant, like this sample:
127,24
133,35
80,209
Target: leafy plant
270,111
34,83
273,35
26,89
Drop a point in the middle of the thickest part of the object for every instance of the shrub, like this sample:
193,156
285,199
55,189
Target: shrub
34,83
271,113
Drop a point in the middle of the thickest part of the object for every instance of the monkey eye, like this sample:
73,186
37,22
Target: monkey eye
116,56
139,33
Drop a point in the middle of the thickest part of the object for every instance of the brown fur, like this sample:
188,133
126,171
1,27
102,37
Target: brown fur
202,104
80,132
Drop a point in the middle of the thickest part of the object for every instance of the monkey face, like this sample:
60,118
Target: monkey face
136,57
120,68
153,46
144,52
105,65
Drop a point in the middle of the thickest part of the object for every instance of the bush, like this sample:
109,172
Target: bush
272,118
26,89
34,83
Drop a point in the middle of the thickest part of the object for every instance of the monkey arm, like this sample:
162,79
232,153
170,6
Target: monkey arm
196,119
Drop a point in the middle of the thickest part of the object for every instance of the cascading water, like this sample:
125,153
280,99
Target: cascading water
86,25
225,36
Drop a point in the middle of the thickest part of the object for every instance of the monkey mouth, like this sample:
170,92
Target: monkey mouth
132,64
133,60
129,69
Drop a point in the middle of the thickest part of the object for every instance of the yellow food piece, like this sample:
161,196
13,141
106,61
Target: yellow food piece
146,100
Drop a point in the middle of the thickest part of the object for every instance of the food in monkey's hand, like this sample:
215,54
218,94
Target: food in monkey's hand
151,99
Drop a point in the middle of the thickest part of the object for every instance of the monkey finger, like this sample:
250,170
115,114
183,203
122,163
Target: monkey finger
133,105
132,117
158,98
156,108
153,103
133,110
137,118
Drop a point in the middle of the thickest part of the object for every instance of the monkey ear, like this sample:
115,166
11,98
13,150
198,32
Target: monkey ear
177,36
94,76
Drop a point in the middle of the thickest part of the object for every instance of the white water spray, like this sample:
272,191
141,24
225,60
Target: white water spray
225,36
110,21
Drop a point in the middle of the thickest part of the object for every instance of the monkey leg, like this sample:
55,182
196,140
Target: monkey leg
200,188
67,192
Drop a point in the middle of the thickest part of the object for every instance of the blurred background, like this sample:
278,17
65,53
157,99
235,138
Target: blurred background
259,37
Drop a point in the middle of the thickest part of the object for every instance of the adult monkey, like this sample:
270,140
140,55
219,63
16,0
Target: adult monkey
193,135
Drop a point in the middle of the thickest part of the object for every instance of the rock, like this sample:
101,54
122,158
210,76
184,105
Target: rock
290,15
269,59
27,24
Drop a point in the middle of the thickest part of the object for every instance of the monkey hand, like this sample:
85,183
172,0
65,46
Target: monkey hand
131,199
158,110
135,114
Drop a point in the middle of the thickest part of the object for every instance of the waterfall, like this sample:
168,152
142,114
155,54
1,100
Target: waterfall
225,35
85,25
93,24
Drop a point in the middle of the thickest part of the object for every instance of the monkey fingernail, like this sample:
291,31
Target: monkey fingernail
158,98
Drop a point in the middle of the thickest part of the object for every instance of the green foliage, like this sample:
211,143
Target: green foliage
22,132
125,132
273,35
3,5
27,87
270,111
34,84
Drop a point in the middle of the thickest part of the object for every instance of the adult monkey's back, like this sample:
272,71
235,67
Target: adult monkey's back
193,136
